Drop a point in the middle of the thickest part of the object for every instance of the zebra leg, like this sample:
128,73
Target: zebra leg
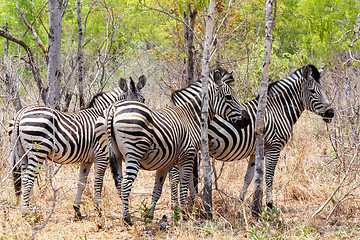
116,170
100,168
185,175
83,175
30,172
248,177
174,177
272,157
194,187
159,183
132,169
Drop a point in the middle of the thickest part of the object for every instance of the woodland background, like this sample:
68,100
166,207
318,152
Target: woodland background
130,38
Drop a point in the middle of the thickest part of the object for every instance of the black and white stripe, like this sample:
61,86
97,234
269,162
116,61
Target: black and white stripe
40,133
287,99
160,139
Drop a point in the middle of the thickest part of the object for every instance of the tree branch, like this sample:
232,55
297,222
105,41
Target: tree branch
34,68
355,39
36,37
173,17
337,188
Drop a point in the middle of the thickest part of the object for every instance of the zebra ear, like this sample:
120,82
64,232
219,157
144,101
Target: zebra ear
141,83
217,78
123,85
306,73
323,70
228,78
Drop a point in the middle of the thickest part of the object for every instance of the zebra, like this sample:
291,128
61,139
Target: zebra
42,133
159,139
287,99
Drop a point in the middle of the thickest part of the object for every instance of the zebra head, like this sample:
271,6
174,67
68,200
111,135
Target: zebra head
226,103
314,97
127,90
132,92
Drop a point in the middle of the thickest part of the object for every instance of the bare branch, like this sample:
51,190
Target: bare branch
342,36
35,20
337,188
39,227
162,10
355,39
34,68
36,37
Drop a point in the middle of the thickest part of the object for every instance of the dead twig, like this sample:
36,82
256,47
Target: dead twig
338,187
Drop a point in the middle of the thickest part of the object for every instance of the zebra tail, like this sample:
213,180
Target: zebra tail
114,164
14,162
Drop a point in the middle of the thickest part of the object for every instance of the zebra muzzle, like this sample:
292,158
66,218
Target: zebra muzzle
328,115
243,121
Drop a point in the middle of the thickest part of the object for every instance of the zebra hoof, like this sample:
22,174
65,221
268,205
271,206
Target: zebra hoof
270,205
25,214
150,214
99,212
127,221
78,215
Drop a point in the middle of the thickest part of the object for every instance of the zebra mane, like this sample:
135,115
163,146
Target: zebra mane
226,77
96,98
273,87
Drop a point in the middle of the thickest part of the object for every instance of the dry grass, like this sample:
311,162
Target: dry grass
304,179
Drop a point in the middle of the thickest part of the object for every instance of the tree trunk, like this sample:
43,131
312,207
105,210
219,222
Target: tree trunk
54,66
189,19
11,83
260,115
80,56
205,109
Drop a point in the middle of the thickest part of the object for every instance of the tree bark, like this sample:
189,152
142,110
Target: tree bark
54,65
205,108
189,19
80,56
270,5
10,83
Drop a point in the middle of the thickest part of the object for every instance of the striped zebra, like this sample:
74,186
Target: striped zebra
159,139
287,99
40,133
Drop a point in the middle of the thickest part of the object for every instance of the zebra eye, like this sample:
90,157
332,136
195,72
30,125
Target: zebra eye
312,91
228,97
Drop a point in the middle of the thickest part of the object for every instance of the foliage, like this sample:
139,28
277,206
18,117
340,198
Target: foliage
270,225
144,211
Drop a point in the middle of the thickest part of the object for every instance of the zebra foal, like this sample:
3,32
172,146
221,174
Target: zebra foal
287,100
40,133
159,139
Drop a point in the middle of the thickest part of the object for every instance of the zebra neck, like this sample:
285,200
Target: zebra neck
193,95
103,100
285,96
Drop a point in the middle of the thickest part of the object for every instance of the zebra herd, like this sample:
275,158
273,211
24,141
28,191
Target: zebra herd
117,126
